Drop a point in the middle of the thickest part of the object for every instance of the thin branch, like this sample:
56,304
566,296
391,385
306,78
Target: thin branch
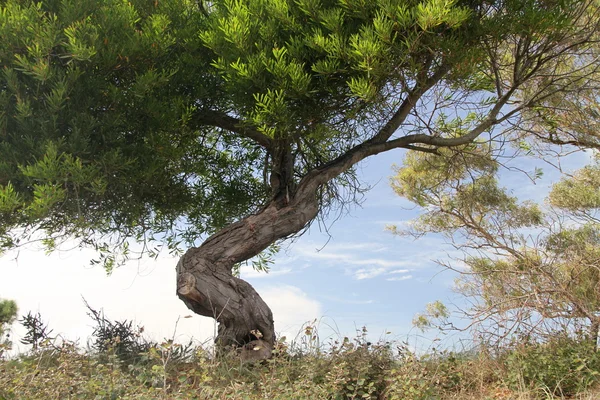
224,121
407,105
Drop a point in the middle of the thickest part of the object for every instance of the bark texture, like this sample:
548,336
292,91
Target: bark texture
205,281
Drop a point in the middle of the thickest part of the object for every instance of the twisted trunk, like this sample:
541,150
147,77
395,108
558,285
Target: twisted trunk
204,279
205,282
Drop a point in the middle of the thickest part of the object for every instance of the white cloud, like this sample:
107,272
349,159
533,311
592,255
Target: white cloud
352,254
355,259
335,251
248,272
369,273
382,262
143,292
399,271
399,278
291,307
371,246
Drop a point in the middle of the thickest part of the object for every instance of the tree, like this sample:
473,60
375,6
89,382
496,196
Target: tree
8,313
239,122
523,270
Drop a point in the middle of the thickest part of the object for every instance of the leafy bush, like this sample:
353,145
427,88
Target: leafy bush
347,369
564,366
116,337
36,330
409,380
357,367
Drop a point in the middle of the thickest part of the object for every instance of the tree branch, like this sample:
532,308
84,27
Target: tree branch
224,121
407,105
432,150
326,172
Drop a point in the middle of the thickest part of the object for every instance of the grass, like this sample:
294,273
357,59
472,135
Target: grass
346,369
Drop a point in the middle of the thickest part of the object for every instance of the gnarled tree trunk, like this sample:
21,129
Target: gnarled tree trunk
205,281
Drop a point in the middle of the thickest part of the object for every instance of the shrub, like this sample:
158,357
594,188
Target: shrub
120,338
36,330
563,366
409,379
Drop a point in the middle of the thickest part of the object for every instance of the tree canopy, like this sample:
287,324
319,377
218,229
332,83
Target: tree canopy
525,268
174,120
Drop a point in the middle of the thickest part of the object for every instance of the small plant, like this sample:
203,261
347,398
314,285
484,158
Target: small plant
357,367
160,359
409,378
37,331
117,337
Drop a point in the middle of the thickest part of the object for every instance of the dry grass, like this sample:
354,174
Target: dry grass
348,369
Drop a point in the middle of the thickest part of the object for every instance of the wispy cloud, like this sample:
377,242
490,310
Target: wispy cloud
399,271
382,262
358,259
353,254
347,301
399,278
339,247
248,272
369,273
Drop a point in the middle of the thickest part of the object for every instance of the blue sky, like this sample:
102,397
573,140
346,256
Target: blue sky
354,274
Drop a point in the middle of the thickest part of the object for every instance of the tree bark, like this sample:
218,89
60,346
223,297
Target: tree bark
205,281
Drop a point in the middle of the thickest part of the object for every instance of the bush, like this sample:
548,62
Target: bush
120,338
344,370
563,366
409,379
36,330
357,369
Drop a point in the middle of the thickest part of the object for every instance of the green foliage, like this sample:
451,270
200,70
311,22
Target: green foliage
37,332
288,62
117,338
409,379
522,269
456,187
138,121
580,192
434,312
345,369
8,313
357,369
94,123
562,367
